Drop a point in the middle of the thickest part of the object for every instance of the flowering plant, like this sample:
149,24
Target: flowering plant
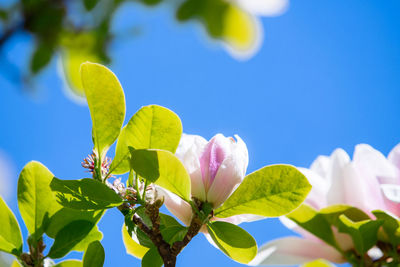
203,183
351,214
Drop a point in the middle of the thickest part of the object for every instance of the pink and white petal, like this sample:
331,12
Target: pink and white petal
293,251
394,156
178,207
370,161
361,190
229,175
392,198
238,219
264,7
320,186
214,153
336,193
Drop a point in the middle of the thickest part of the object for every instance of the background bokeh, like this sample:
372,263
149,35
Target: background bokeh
326,76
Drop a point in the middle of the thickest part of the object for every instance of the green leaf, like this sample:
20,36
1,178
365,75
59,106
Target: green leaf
41,57
152,258
132,245
85,194
271,191
151,127
314,222
318,263
94,255
171,234
363,233
332,213
162,168
90,4
17,264
168,221
233,241
106,102
66,216
10,234
69,263
36,201
68,237
391,226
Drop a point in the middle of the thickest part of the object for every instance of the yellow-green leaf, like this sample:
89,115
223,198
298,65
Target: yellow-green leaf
10,234
132,245
106,102
151,127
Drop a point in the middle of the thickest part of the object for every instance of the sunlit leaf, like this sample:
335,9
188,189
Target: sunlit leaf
132,245
162,168
233,241
106,102
271,191
318,263
391,226
10,234
85,194
36,201
151,127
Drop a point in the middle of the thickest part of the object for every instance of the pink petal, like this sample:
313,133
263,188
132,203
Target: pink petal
293,251
394,156
212,157
178,207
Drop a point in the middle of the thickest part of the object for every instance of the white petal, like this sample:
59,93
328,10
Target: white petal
320,186
392,192
293,250
178,207
264,7
336,193
189,151
238,219
322,166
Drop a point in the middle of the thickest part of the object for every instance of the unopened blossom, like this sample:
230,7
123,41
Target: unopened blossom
335,180
216,168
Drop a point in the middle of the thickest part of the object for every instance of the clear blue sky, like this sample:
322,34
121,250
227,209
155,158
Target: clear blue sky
327,76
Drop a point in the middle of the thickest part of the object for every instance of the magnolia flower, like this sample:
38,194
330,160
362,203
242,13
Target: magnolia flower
336,180
216,168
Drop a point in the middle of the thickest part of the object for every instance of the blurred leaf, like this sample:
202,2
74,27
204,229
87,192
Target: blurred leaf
162,168
17,264
90,4
132,245
85,194
318,263
68,237
270,191
151,127
152,258
314,222
106,102
94,255
69,263
391,226
151,2
10,234
41,57
363,233
36,201
233,241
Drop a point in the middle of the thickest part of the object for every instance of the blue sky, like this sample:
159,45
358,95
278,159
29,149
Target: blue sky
327,76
